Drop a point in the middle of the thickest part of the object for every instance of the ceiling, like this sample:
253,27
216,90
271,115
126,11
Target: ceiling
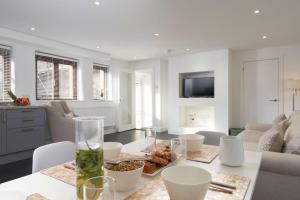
126,28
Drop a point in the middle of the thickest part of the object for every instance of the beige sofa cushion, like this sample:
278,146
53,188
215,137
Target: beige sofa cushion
251,136
258,126
292,138
282,127
271,140
69,115
58,107
295,113
279,119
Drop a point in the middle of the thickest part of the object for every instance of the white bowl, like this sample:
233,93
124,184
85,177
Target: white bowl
186,182
193,141
112,150
126,180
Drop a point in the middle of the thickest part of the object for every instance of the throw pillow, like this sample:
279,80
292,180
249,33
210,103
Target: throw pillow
296,151
271,140
279,118
69,115
282,127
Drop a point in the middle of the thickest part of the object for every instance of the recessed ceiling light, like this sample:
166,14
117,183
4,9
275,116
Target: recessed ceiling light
98,47
32,29
187,49
264,37
156,34
256,12
97,3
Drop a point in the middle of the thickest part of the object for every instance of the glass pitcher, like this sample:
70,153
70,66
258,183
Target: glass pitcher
89,150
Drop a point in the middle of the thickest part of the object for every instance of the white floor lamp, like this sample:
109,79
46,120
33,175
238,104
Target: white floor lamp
294,85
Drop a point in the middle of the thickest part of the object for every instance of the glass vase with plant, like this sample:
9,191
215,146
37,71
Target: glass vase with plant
89,153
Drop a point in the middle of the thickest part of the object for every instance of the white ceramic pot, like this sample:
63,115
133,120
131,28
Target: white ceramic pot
112,150
126,180
186,182
231,151
193,141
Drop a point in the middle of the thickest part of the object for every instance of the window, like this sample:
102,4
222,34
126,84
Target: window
5,71
56,78
100,73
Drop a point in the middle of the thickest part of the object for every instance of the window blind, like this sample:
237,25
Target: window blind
100,90
56,77
5,73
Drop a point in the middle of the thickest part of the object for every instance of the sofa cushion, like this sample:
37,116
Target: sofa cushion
279,118
251,135
58,107
297,151
69,115
258,126
271,140
65,107
292,135
282,127
293,116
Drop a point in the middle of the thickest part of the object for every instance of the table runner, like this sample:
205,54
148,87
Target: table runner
62,172
206,154
36,196
66,172
156,190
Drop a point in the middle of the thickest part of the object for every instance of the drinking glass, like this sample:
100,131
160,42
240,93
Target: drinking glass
178,149
99,188
89,150
150,138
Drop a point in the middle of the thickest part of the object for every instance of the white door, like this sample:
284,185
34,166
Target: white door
143,99
126,109
261,90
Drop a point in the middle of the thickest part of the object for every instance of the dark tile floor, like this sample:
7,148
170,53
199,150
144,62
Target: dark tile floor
22,168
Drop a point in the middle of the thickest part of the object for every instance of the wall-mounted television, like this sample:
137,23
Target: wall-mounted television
203,87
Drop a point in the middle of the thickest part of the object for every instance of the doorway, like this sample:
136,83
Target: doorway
143,99
261,90
126,117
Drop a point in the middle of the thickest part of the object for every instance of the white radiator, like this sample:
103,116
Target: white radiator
109,112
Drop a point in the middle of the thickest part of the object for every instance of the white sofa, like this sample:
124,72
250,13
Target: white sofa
279,175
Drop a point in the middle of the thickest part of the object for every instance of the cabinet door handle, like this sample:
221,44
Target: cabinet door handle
27,111
27,130
27,120
4,117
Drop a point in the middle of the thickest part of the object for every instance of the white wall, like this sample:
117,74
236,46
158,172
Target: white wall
289,59
23,57
216,61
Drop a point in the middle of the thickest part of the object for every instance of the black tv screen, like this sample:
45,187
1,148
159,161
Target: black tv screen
199,87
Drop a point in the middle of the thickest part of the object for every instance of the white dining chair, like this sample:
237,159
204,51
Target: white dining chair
52,154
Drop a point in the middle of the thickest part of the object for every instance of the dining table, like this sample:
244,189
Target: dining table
54,189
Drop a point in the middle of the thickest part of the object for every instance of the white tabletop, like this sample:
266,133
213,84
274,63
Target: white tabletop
56,190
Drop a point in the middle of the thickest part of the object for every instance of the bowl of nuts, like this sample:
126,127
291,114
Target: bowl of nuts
126,174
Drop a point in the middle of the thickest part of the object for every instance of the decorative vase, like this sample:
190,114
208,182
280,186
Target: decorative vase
231,151
89,152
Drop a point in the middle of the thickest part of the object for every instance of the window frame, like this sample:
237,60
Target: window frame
7,67
104,68
56,60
